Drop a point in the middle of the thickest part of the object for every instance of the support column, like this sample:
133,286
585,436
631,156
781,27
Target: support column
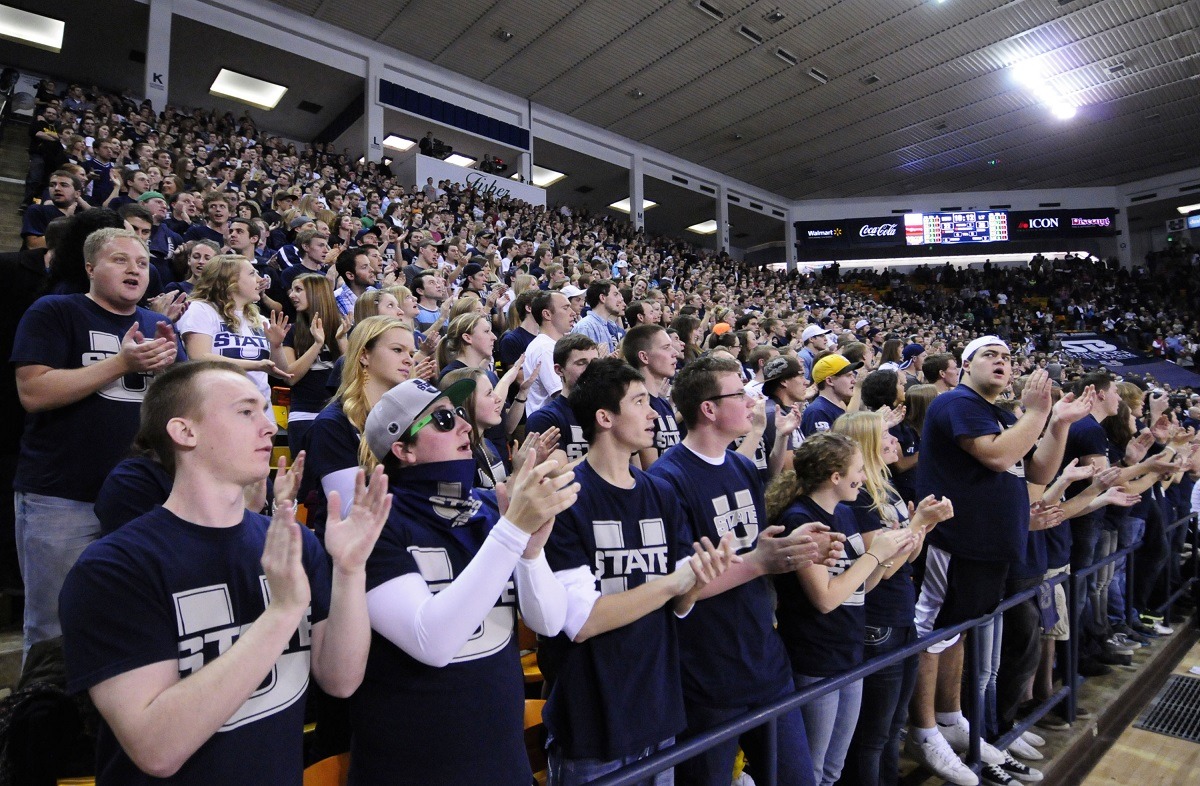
524,165
1124,239
373,112
158,52
722,218
789,241
637,213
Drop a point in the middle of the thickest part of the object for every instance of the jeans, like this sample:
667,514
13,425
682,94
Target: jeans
51,534
1150,559
714,767
1129,531
572,772
990,638
829,722
874,755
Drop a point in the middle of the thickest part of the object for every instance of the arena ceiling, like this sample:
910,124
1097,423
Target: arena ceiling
837,98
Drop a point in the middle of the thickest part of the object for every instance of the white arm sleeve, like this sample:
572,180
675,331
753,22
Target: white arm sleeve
342,482
433,627
582,595
543,598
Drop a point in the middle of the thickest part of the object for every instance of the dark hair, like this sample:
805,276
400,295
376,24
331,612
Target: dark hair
348,260
67,273
542,301
935,364
173,393
601,386
572,342
1100,380
638,339
136,210
697,382
419,281
879,389
523,301
634,310
251,227
597,291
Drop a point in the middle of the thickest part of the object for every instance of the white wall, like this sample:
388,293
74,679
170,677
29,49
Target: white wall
499,185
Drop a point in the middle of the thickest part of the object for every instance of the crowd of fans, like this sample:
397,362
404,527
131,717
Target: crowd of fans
646,452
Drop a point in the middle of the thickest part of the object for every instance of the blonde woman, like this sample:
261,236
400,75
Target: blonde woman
874,753
222,320
379,356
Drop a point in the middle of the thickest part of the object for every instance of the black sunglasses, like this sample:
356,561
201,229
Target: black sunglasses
442,419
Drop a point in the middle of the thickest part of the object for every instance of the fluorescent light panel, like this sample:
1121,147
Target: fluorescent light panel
397,142
544,178
708,227
457,160
1032,80
31,29
623,205
255,92
1185,209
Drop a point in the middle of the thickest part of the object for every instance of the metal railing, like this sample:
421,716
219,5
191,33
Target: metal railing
973,700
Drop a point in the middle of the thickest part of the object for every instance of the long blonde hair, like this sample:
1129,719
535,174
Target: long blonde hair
866,429
217,285
452,345
352,391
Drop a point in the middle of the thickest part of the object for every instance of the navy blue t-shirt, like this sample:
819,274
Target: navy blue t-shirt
892,603
819,416
730,654
822,645
163,589
37,218
134,487
1086,437
332,446
557,412
309,393
617,693
67,452
991,509
666,430
512,344
463,721
910,445
163,242
203,231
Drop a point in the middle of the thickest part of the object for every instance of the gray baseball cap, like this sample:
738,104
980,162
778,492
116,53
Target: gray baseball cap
395,413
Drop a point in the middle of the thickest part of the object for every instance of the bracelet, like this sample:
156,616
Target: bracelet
518,398
877,560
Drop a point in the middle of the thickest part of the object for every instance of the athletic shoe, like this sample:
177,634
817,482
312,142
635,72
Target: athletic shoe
936,756
1114,659
1131,635
1156,624
959,737
1023,749
1021,772
1053,722
994,775
1117,644
1035,740
1143,630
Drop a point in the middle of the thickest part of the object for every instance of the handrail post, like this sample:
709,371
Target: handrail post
1130,616
1075,587
771,773
974,694
1195,563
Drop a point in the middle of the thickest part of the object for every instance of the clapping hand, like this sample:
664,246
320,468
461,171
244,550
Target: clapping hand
1073,472
349,539
1070,408
287,479
930,512
1043,516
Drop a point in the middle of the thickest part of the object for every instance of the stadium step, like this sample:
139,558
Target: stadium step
14,162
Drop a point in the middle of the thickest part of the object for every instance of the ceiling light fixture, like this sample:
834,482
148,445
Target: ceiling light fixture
1185,209
775,16
623,205
540,176
1030,78
636,93
459,160
708,227
34,30
246,89
395,142
502,35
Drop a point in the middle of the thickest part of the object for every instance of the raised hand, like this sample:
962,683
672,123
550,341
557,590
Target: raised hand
758,416
140,355
1073,472
1106,478
798,549
425,370
786,422
277,328
169,304
710,561
287,480
317,329
538,493
1044,516
282,563
350,539
1070,409
890,543
1119,497
1036,395
268,366
931,511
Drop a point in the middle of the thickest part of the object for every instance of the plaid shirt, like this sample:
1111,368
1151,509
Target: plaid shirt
345,298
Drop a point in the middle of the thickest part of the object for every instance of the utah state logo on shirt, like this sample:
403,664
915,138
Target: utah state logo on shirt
129,388
617,561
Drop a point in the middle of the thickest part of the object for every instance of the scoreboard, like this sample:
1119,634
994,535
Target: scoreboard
971,226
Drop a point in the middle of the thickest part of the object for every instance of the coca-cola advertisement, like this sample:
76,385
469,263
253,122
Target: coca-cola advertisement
851,232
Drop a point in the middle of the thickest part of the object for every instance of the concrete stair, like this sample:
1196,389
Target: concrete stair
14,163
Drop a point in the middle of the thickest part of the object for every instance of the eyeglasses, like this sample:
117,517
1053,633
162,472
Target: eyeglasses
442,419
737,394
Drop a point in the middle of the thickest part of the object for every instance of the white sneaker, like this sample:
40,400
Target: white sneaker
1019,771
936,756
1020,747
959,737
1033,739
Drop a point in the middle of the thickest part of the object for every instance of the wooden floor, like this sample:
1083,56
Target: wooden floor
1145,758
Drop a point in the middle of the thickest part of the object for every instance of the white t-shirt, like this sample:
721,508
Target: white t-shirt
548,383
247,344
